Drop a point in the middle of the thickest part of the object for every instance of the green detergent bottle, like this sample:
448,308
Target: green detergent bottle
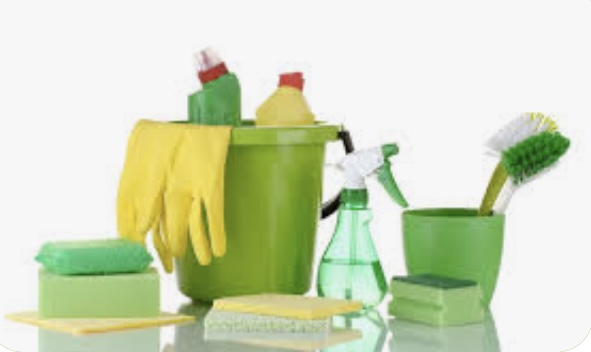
350,267
218,103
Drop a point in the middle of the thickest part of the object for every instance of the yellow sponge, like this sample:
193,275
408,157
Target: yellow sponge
288,306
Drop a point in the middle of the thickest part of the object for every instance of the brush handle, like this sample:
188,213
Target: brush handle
504,198
495,185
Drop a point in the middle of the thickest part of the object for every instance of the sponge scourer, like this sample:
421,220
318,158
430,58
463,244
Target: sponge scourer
224,321
108,256
436,300
287,306
99,296
275,313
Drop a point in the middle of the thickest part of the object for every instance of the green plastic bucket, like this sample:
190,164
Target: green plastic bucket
273,195
454,243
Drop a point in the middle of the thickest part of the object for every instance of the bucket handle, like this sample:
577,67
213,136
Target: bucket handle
331,206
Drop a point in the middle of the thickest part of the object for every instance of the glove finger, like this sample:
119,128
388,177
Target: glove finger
214,206
162,247
128,187
198,236
177,207
150,153
126,217
151,212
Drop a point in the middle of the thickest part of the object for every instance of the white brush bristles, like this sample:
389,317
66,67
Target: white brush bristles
519,129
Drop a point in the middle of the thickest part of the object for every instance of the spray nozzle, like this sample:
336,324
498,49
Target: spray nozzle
367,162
386,178
389,150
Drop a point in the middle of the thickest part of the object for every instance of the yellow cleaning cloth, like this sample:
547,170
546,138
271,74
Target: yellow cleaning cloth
288,306
92,326
173,175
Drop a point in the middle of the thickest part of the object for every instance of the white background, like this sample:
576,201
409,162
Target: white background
438,77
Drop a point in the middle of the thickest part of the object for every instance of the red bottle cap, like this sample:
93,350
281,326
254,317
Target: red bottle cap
212,73
292,79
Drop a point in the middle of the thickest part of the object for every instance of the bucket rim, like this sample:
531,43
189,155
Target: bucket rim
249,134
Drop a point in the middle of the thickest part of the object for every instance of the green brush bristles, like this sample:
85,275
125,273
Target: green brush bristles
534,154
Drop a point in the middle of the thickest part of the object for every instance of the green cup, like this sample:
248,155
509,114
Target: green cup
454,243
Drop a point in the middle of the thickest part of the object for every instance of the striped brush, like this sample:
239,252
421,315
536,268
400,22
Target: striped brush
521,163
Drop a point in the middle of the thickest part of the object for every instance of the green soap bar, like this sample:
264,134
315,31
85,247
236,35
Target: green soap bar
436,315
108,256
99,296
144,340
436,300
435,290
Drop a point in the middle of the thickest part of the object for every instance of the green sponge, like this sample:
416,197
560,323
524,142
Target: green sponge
436,300
109,256
99,296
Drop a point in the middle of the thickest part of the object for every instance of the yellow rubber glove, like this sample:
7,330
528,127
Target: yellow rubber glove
162,248
150,152
195,187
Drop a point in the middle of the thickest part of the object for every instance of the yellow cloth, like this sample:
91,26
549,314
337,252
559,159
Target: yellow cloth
174,174
92,326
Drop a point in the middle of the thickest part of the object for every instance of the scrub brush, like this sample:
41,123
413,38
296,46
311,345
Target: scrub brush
522,163
519,129
516,131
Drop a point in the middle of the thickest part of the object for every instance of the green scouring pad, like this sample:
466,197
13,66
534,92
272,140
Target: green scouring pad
92,257
436,300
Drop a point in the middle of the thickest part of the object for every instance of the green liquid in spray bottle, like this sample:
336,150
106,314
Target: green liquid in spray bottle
350,268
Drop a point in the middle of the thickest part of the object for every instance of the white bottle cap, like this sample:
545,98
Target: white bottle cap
207,58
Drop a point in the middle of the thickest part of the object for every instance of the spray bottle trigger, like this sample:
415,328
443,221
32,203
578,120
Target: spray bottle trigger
387,180
389,150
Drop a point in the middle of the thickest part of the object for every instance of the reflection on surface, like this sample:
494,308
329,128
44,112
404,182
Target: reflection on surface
372,327
413,337
192,337
144,340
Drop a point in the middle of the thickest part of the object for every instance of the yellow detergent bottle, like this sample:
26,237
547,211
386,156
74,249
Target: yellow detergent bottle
287,105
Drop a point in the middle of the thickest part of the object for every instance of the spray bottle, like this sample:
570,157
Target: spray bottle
350,267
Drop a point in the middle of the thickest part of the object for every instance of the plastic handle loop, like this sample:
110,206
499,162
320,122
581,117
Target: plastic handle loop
331,206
